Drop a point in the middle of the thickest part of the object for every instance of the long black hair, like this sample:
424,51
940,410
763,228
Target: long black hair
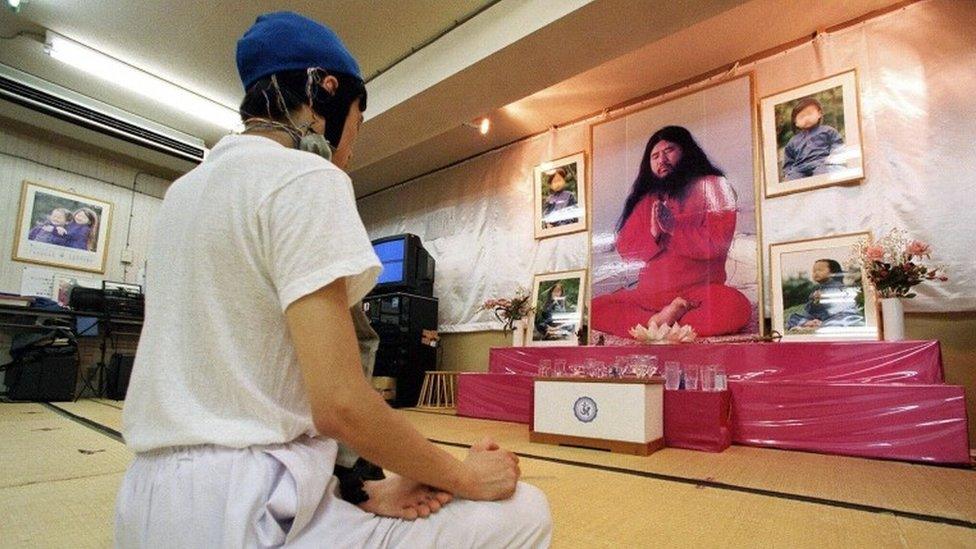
275,96
694,164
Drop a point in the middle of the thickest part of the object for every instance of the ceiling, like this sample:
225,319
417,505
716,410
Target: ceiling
528,64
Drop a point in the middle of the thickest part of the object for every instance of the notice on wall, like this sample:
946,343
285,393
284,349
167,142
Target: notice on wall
53,284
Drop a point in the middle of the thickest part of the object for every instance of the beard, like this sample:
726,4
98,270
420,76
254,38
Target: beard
675,183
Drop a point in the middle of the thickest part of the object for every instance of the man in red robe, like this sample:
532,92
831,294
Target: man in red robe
679,219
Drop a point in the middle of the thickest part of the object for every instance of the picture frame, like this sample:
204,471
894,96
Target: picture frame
558,299
559,188
817,295
61,228
628,284
798,156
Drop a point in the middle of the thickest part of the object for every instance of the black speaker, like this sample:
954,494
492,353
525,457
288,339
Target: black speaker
48,376
117,376
400,320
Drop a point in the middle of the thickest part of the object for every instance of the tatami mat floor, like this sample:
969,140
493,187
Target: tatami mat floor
61,464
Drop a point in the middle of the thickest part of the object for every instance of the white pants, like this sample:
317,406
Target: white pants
285,495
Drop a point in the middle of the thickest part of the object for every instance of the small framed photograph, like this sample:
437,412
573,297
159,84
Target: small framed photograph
811,136
62,229
560,196
817,294
558,299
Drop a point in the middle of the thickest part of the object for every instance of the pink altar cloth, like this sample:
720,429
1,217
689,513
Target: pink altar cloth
504,397
698,420
857,362
872,399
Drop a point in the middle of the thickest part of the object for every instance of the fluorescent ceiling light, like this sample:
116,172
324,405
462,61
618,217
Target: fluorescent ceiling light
141,82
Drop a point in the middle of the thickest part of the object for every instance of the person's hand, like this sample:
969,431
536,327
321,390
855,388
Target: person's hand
815,323
48,228
655,219
402,498
492,472
665,218
62,231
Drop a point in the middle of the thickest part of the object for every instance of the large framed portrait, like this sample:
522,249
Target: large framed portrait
62,229
818,295
812,136
675,217
558,299
560,196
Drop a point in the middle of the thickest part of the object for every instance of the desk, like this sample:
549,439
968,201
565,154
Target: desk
17,319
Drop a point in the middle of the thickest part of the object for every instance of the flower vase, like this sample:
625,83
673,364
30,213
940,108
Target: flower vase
519,333
892,319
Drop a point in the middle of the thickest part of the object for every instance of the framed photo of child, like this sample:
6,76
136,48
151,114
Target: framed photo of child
811,136
817,294
558,308
560,196
62,229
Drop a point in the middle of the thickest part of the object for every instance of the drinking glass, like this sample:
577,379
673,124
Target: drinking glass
651,365
559,367
672,375
576,370
638,365
621,367
721,380
545,367
708,378
691,377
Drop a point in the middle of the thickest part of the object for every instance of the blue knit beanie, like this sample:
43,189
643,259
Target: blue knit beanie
283,41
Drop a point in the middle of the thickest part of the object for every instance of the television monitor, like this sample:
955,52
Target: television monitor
407,266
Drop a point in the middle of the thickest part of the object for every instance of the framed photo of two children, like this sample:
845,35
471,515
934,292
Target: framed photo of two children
62,229
811,136
559,187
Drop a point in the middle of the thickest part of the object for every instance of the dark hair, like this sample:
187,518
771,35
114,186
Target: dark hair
263,100
693,165
804,103
561,172
833,265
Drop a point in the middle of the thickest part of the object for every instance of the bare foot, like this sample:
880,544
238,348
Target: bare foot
673,312
399,497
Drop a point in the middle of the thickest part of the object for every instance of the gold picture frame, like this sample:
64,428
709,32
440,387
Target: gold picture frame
817,295
828,153
564,211
558,300
60,228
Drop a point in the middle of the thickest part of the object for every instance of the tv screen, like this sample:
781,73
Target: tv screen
391,254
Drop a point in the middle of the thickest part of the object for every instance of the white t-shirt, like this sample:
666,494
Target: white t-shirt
239,238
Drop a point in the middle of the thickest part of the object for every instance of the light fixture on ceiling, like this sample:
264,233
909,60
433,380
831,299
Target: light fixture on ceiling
15,5
483,125
117,72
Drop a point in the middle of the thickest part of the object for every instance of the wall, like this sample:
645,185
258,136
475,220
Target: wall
915,88
56,163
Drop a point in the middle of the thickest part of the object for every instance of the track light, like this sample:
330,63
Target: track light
483,125
136,80
15,5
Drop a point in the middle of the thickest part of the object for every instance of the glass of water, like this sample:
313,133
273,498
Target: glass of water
545,367
559,367
672,375
708,378
691,377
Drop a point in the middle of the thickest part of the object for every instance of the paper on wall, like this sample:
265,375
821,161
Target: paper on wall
53,284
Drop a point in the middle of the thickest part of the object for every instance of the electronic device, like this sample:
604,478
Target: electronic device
407,267
114,298
400,319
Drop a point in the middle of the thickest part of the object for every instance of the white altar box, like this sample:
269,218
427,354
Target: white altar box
621,415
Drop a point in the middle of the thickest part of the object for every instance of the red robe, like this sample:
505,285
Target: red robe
689,262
